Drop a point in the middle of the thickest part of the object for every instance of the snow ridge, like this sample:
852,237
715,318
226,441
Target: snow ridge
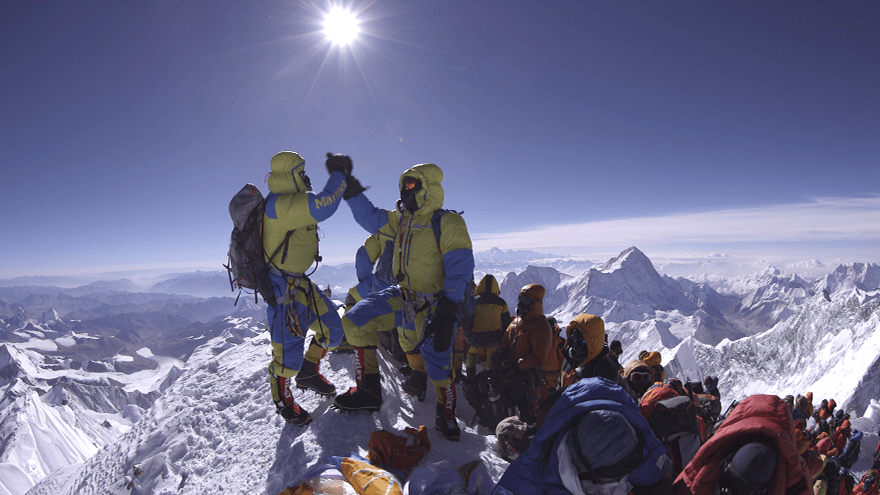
215,429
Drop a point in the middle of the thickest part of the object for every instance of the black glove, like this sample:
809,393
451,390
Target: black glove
339,163
353,188
442,326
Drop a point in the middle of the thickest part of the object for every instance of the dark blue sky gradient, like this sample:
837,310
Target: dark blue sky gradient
128,126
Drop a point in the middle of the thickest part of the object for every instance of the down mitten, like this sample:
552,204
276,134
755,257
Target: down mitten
353,188
442,326
338,163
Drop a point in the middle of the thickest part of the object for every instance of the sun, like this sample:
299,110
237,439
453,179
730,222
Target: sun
340,26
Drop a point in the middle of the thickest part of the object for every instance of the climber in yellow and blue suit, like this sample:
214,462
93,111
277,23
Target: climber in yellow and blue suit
377,250
432,264
290,242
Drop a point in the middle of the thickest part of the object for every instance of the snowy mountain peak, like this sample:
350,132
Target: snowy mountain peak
628,280
549,278
22,319
770,271
630,259
51,315
6,359
862,276
632,272
14,366
772,276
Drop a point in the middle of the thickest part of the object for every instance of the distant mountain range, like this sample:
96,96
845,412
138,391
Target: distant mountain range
339,278
100,354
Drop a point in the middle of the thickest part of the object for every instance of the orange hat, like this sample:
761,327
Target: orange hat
592,329
534,291
530,300
653,358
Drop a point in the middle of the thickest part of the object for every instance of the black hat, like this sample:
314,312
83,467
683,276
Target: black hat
749,469
616,346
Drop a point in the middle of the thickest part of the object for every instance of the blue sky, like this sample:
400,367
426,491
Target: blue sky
571,127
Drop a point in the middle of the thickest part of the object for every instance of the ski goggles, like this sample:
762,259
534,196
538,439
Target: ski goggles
642,377
410,184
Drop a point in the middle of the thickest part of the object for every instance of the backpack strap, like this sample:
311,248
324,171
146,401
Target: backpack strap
286,244
435,222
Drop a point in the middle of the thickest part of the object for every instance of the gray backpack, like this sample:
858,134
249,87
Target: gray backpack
246,264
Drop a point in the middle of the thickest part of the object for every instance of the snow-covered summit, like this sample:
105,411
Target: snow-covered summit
549,278
215,429
742,285
641,307
766,298
862,276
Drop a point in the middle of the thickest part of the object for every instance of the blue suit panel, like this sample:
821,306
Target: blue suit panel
308,313
363,265
380,307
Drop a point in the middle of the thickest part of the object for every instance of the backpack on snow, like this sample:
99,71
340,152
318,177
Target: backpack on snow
246,263
493,398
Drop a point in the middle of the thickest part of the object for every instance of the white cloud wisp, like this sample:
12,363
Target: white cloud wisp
841,221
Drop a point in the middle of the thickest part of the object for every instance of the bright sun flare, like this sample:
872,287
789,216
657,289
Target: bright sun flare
340,26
